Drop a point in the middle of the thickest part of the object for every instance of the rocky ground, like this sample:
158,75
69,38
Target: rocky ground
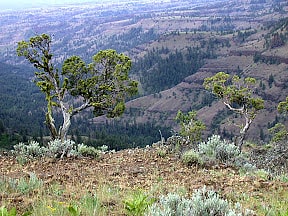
135,169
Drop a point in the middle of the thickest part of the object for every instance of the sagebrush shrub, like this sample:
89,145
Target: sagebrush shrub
33,149
56,148
203,203
25,186
221,150
206,203
170,205
226,152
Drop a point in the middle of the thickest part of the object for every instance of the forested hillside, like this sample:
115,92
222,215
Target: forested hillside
174,47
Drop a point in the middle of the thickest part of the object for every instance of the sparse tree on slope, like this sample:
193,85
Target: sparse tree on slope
102,85
237,95
279,131
190,126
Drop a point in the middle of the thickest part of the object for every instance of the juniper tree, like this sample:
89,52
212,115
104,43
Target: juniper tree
283,106
190,126
101,85
237,95
279,130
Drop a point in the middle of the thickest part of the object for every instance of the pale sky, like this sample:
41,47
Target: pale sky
12,4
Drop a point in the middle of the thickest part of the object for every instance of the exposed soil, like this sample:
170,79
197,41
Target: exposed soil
132,169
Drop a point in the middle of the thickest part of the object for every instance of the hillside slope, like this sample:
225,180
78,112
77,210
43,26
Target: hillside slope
174,46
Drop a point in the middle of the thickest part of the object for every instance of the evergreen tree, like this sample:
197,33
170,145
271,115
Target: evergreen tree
102,85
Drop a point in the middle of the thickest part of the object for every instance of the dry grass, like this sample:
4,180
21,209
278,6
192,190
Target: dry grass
117,175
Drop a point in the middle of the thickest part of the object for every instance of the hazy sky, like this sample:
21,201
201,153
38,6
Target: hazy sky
12,4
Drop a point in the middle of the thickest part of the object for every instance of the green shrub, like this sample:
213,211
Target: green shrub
218,149
138,203
88,151
5,212
25,186
176,144
191,127
74,210
202,203
192,157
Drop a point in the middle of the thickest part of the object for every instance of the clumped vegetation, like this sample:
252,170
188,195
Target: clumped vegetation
202,203
138,203
191,157
55,149
217,149
190,126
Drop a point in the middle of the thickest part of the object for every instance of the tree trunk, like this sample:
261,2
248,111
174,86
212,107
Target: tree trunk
65,126
51,126
243,131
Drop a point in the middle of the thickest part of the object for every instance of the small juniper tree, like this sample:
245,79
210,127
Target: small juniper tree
283,106
237,95
190,126
279,131
102,85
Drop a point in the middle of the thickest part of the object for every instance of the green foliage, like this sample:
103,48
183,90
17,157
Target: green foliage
74,210
203,203
26,186
87,205
283,106
88,151
218,149
102,85
237,95
191,127
279,132
90,204
5,212
191,157
138,203
283,178
240,91
161,69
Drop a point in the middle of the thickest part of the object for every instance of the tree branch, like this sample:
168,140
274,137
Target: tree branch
80,108
240,110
